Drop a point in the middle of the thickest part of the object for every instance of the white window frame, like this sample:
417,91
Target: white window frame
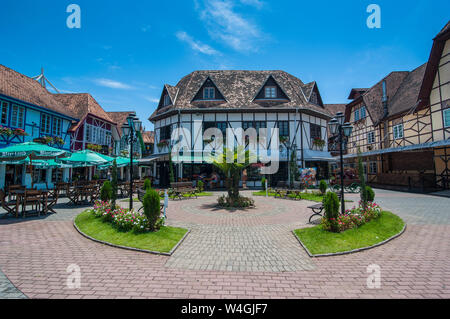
4,105
357,115
46,124
209,93
57,126
362,114
371,137
398,131
17,114
167,101
445,116
270,92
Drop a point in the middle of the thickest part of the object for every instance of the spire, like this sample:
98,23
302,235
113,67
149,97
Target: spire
43,80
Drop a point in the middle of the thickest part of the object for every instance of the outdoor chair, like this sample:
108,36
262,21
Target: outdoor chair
8,205
52,199
32,198
11,189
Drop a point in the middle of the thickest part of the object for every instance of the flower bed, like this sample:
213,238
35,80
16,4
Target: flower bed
123,219
353,218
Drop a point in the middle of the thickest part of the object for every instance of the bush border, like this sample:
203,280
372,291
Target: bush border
349,251
170,253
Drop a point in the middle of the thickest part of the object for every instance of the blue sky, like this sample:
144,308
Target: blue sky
126,50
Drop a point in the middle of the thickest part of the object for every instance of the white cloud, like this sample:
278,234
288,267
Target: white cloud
196,45
112,84
228,26
151,99
145,28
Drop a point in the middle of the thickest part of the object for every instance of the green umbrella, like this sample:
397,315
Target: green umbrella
31,150
121,162
87,158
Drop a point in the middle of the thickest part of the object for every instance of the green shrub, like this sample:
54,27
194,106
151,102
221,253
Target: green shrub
95,177
152,208
323,187
200,186
241,202
106,191
331,207
370,194
263,183
147,184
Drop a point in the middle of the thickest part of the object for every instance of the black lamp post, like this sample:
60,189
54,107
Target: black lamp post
341,129
130,133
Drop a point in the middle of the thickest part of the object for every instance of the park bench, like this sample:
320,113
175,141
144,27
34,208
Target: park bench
183,188
318,209
283,190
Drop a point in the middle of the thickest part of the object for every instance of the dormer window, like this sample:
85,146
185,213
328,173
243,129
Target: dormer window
209,93
270,92
167,100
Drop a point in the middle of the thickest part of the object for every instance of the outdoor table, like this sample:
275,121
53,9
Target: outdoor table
20,197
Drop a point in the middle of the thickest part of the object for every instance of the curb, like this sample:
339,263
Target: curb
170,253
349,251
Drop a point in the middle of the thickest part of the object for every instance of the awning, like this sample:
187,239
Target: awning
310,155
402,148
150,159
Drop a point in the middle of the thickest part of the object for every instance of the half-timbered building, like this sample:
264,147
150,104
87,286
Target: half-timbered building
95,129
243,99
399,125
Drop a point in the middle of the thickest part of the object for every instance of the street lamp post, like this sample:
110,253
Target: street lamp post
338,127
130,133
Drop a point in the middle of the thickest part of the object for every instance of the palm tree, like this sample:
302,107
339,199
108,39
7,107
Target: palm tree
232,169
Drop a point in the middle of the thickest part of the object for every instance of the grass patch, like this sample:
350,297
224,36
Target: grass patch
306,196
162,241
320,241
202,194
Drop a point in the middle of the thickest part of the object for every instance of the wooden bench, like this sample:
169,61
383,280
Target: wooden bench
183,188
318,209
283,190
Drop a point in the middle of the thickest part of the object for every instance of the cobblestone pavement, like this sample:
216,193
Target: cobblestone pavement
35,254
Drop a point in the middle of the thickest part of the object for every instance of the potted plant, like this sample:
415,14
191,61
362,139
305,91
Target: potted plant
19,132
284,139
6,131
319,143
58,140
162,144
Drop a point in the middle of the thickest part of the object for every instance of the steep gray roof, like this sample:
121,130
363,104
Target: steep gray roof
406,98
239,89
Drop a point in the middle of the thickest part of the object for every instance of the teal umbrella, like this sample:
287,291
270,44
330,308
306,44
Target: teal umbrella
87,158
121,162
32,151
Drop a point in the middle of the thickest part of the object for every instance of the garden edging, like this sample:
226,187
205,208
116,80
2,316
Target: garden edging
349,251
170,253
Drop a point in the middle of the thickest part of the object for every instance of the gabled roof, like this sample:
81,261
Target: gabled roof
120,118
80,105
406,97
239,88
373,97
356,92
148,137
433,64
23,88
333,109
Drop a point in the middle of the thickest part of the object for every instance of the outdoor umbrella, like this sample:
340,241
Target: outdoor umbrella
87,158
31,150
120,161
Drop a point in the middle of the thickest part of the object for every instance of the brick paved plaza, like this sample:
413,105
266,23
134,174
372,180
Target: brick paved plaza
250,254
